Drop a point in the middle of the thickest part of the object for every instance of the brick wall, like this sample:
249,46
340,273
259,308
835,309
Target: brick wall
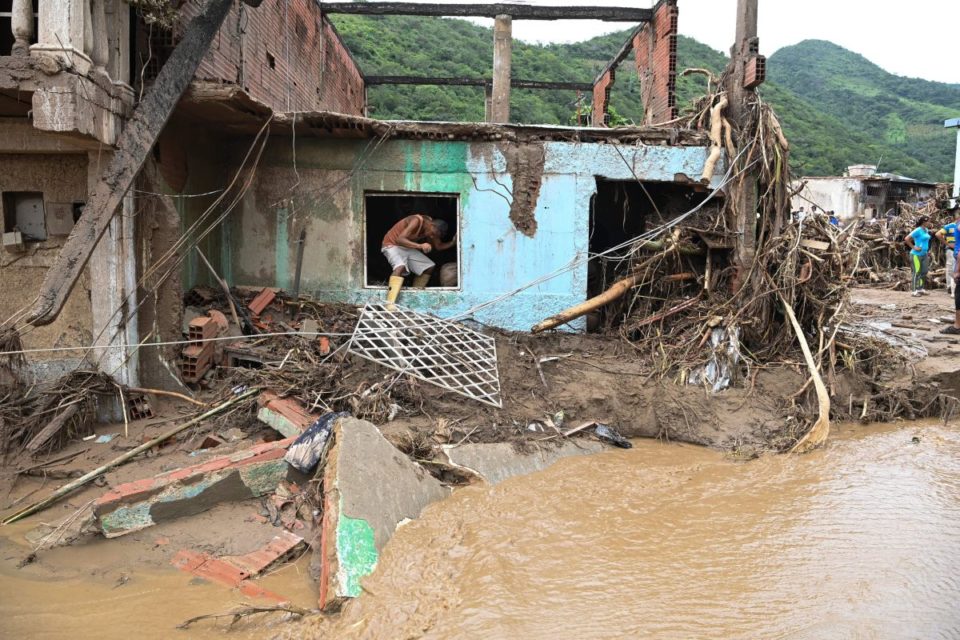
601,97
285,55
655,46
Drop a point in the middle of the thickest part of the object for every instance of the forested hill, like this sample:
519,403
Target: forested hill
837,108
902,115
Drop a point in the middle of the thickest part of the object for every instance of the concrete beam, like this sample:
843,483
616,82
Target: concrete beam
475,82
746,21
370,487
183,492
516,11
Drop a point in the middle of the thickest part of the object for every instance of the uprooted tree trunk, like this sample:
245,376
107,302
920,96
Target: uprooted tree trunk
136,141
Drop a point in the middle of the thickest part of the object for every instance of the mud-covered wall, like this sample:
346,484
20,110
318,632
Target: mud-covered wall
62,178
524,214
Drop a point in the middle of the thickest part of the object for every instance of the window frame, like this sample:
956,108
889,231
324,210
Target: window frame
368,193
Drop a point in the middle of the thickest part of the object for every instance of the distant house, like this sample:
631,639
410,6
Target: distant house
860,193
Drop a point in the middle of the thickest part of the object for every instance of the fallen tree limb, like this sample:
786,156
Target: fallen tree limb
52,429
237,614
818,433
617,289
84,479
657,317
716,139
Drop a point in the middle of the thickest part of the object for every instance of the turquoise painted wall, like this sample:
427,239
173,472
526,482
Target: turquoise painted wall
325,196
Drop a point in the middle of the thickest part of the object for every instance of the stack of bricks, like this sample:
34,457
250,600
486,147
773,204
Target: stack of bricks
198,356
655,46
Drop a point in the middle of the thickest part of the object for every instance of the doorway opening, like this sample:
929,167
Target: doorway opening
621,211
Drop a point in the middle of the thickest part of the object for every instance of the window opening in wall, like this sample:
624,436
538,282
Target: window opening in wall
271,61
623,210
23,212
384,210
151,47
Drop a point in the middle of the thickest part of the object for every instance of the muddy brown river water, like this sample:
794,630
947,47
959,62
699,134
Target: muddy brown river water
858,540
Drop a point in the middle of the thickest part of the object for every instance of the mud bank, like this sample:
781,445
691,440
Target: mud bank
768,408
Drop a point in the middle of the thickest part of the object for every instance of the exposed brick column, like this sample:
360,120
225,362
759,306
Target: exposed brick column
601,98
655,46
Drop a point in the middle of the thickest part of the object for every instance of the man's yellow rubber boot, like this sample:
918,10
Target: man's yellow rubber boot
420,281
393,291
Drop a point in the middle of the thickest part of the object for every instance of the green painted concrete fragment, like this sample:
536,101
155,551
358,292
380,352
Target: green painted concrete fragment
356,552
264,477
126,519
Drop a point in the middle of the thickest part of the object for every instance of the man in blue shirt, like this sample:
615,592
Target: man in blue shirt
955,328
946,235
919,242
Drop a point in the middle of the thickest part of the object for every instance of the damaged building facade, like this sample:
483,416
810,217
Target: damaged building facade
269,174
71,73
861,193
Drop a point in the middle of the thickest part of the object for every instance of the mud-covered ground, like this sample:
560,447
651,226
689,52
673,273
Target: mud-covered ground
586,377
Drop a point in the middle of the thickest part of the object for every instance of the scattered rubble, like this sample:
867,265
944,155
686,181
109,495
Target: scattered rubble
236,571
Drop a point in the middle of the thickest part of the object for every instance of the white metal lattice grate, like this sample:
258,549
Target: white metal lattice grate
441,352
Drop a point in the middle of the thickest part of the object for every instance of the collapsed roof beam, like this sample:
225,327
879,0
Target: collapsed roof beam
475,82
624,51
515,11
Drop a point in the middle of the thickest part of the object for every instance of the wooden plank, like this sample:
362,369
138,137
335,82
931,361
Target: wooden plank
817,245
133,146
515,11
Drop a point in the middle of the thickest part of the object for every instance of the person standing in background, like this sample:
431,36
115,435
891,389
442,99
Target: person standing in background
947,234
919,242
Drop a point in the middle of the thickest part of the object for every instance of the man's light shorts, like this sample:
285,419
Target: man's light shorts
410,259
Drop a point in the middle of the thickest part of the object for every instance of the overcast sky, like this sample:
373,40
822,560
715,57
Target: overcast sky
922,43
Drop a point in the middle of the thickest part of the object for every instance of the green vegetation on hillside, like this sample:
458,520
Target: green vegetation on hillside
837,108
901,117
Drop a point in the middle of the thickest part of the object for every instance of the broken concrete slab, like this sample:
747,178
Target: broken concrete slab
183,492
277,550
497,461
370,487
236,571
286,415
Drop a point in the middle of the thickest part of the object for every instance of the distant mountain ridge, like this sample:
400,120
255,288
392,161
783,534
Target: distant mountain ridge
837,107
